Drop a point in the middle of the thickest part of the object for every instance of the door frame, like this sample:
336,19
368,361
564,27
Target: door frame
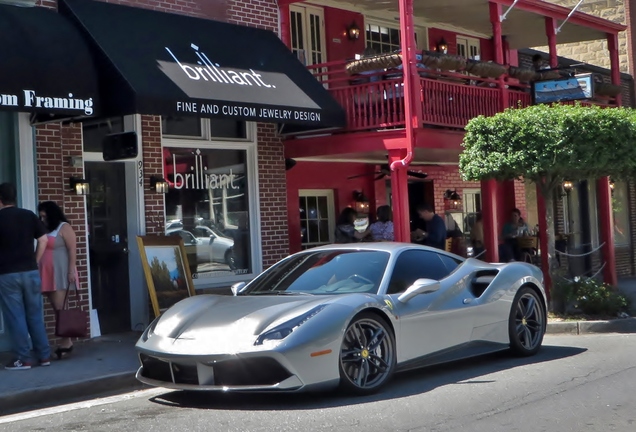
136,225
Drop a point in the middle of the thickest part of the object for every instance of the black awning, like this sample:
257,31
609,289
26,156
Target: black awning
46,67
173,65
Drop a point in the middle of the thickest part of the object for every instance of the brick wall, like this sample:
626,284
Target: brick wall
595,52
55,144
153,165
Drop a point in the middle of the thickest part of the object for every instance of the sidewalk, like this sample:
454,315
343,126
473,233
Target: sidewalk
97,366
108,364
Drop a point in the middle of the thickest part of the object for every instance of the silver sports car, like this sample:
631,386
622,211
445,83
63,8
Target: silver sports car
348,315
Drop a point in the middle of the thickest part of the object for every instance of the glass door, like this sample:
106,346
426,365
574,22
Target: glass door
308,34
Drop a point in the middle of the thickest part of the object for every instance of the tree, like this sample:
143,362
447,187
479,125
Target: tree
549,144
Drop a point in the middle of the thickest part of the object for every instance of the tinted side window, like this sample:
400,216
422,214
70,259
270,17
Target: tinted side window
450,263
413,265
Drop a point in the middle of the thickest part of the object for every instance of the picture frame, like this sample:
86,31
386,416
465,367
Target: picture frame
166,269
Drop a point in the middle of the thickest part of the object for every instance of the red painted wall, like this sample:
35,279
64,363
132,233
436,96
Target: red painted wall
336,23
327,175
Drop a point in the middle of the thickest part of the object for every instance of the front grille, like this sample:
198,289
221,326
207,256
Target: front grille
185,374
155,369
251,371
237,372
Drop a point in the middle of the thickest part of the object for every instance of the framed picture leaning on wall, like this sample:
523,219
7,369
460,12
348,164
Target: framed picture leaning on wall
166,268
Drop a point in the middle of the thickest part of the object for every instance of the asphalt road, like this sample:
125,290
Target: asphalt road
576,383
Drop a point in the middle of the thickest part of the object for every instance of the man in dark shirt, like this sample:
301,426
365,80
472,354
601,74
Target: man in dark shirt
435,234
20,284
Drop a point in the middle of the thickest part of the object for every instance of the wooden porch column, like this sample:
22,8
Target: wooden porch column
489,204
285,30
605,211
498,45
400,155
550,31
400,199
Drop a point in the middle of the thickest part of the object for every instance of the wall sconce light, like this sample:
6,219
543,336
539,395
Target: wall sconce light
442,46
567,185
612,183
159,184
353,31
361,202
453,199
79,185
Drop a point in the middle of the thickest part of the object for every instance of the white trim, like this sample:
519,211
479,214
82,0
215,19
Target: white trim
26,168
305,11
253,188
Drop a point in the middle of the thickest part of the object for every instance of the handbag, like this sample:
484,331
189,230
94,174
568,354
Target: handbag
71,322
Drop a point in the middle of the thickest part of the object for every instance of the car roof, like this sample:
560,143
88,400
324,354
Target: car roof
391,247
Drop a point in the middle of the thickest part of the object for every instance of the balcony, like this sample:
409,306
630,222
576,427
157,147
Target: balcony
374,100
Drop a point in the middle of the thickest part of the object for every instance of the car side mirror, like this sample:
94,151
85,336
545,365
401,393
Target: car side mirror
237,288
420,286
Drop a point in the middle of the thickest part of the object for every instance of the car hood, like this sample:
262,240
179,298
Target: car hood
245,316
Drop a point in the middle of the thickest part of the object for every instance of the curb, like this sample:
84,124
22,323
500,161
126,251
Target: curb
43,397
622,325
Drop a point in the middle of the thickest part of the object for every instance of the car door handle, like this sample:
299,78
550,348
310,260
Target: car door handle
467,301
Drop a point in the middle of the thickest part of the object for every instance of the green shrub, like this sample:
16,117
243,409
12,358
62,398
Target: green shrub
593,297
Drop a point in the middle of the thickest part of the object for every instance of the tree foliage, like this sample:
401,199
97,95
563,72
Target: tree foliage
547,144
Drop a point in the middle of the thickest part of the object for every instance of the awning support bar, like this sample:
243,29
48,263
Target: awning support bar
569,15
502,18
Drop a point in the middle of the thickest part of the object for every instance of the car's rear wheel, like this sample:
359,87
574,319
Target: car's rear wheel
367,355
527,323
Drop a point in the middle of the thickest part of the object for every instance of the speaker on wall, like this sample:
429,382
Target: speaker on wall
120,146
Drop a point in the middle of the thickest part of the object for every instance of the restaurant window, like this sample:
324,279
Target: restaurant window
472,206
620,207
317,224
382,39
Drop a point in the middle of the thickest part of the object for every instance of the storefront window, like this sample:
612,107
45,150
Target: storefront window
620,205
208,207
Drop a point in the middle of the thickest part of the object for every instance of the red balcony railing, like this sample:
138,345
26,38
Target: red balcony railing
375,100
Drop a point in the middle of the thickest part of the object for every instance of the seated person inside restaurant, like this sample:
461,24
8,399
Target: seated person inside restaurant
346,230
433,232
514,228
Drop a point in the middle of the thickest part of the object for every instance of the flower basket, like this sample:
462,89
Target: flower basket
548,75
451,62
522,74
431,61
606,89
378,62
485,69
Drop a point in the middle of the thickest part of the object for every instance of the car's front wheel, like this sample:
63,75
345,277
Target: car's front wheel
367,354
527,323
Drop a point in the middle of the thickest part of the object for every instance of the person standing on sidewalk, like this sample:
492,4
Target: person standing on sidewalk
20,284
58,268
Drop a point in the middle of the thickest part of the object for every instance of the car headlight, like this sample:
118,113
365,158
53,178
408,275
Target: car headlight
283,330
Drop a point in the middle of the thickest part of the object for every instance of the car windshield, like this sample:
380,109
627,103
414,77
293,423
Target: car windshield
323,272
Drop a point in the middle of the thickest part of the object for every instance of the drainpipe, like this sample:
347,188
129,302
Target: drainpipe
401,156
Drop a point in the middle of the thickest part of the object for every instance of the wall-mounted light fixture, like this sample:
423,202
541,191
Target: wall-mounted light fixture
568,185
361,202
159,184
442,46
79,185
452,199
612,184
353,31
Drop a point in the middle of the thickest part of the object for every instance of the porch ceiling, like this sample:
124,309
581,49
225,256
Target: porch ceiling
524,26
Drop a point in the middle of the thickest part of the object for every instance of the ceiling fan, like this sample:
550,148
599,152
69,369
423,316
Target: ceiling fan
385,170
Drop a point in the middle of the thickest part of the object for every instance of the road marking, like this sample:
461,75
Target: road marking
81,405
